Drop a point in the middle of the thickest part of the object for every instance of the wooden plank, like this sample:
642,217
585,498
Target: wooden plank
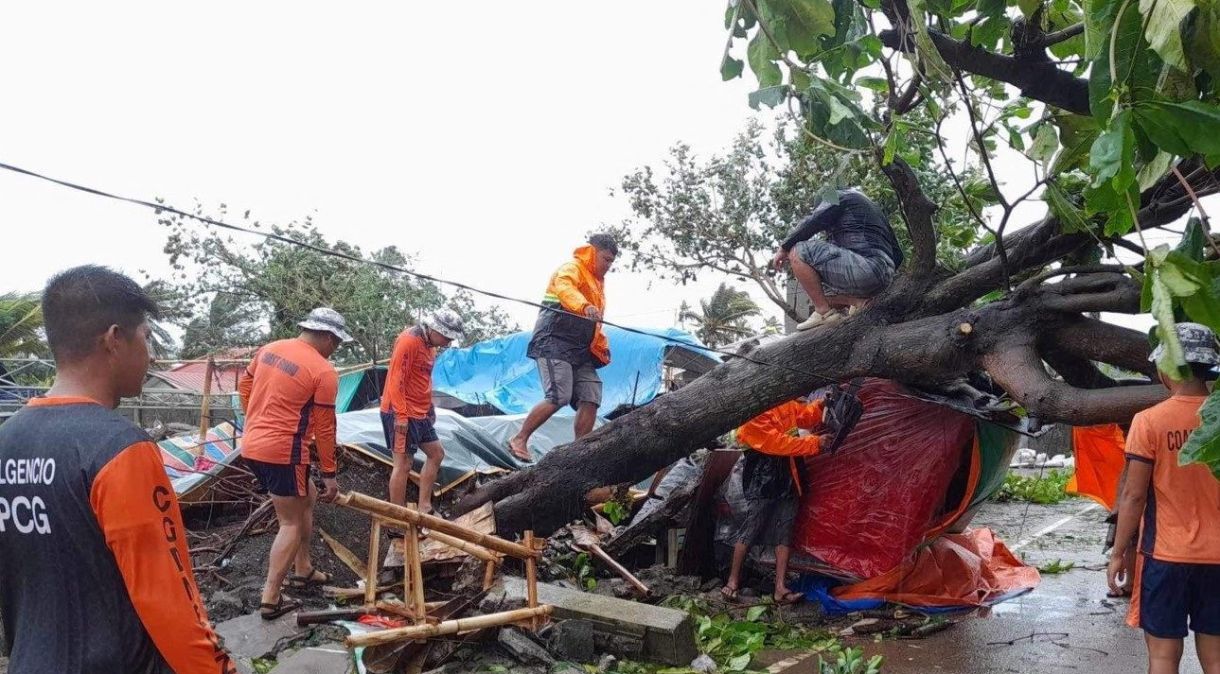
531,578
349,558
447,627
414,563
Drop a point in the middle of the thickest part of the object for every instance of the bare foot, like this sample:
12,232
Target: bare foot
519,449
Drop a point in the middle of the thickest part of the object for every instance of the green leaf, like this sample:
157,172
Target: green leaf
1203,445
1076,135
1193,240
1181,128
892,142
816,16
1113,153
1152,172
770,96
731,68
877,84
1199,38
762,55
1204,306
1045,144
739,663
755,613
990,8
1162,310
799,78
1164,20
1070,218
1028,7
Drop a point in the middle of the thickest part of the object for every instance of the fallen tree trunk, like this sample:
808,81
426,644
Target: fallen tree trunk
1000,338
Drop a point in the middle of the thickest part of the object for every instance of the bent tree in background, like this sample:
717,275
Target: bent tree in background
1112,103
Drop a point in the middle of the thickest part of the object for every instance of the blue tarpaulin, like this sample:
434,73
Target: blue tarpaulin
498,372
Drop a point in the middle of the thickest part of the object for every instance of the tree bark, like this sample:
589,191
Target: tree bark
928,350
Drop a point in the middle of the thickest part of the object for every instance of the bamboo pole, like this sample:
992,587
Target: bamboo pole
417,572
531,578
373,506
403,611
205,407
471,549
349,558
446,628
370,578
489,575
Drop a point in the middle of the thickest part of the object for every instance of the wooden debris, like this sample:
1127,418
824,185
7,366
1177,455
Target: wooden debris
370,577
447,627
374,506
471,549
349,558
531,578
352,592
587,540
305,618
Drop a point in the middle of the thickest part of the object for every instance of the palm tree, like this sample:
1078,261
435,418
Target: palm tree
21,325
723,317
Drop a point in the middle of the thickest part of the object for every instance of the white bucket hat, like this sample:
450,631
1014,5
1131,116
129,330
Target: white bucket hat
1198,344
446,323
325,319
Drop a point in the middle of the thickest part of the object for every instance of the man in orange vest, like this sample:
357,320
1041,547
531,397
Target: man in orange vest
772,478
568,343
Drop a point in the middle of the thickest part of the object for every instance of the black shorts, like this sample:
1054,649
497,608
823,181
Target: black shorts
1171,592
281,479
767,522
405,439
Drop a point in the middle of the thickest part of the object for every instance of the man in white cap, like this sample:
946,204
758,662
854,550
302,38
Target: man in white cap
1176,511
288,395
407,414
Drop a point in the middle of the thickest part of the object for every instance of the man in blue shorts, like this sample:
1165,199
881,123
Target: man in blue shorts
856,261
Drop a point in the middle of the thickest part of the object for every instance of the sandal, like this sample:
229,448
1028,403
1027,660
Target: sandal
314,579
789,598
280,608
523,459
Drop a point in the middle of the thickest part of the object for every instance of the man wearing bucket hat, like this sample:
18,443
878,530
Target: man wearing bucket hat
288,395
1175,509
407,413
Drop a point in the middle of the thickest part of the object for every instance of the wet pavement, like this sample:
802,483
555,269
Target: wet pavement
1067,624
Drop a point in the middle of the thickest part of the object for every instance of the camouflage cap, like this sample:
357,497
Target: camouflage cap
1198,344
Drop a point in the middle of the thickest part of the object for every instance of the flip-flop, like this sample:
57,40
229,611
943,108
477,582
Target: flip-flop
314,579
282,607
789,599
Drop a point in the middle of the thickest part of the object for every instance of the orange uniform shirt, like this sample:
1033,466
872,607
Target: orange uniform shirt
288,392
772,433
94,556
408,384
1182,517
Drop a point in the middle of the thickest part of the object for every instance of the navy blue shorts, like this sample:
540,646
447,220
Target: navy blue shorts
1172,591
400,440
281,479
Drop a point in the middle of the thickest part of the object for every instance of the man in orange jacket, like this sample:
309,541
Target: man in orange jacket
568,343
771,478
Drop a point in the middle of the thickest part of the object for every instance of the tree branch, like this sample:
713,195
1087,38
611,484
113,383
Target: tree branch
1039,80
1064,35
1021,372
918,211
1091,339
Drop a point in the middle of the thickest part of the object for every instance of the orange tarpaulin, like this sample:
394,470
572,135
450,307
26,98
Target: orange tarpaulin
968,569
1099,462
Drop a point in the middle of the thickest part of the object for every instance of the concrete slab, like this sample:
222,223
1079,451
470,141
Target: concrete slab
250,636
668,635
316,661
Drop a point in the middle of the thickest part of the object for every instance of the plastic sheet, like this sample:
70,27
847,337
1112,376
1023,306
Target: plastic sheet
955,571
1099,463
868,506
497,371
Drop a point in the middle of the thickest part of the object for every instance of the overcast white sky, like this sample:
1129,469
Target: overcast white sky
482,136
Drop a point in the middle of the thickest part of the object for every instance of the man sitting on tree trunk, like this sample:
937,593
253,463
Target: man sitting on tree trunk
855,262
568,343
772,479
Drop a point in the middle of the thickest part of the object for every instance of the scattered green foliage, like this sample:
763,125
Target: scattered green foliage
264,665
850,661
1051,488
1056,567
615,511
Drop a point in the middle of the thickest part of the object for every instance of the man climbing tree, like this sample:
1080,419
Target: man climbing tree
1114,116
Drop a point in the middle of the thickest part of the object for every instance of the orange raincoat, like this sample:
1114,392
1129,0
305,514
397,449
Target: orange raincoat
771,433
562,331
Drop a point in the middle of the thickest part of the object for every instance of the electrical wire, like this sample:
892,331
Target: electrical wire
393,268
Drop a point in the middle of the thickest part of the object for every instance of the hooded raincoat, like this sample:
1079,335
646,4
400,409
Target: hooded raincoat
562,331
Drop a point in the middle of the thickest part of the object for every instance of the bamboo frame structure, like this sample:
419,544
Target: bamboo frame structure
448,627
478,545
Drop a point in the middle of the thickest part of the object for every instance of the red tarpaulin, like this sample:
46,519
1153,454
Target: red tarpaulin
871,503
